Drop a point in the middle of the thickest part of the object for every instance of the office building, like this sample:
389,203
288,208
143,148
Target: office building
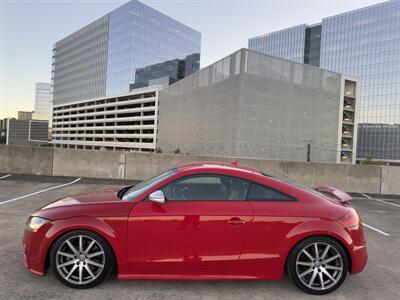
25,115
387,136
103,58
255,105
286,43
43,101
125,122
364,44
3,131
24,132
166,73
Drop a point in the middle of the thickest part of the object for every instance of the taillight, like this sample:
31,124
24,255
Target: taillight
351,220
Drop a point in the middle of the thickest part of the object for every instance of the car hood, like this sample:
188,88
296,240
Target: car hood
102,203
93,197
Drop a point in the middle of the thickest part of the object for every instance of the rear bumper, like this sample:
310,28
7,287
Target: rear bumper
359,259
358,244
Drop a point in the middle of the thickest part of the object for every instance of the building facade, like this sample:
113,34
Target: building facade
387,136
102,58
125,122
24,132
166,72
286,43
43,101
25,115
3,131
255,105
363,43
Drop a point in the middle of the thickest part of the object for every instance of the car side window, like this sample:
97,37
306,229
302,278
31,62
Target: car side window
259,192
207,188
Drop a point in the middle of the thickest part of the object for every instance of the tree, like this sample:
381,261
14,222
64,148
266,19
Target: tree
370,161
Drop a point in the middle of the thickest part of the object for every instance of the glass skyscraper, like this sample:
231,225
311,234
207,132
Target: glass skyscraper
286,43
365,44
102,58
42,101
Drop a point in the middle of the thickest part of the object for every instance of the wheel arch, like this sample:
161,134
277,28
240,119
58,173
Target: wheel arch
325,235
100,229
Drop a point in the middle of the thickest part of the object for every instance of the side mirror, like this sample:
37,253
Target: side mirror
157,196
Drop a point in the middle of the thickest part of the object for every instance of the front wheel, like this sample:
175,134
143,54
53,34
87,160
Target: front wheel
318,265
81,259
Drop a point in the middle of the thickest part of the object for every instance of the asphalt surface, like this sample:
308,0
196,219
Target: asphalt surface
19,198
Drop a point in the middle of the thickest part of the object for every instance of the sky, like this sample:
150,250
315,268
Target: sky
29,28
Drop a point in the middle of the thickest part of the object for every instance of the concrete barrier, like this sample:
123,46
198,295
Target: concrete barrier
85,163
356,178
390,180
139,166
26,160
352,178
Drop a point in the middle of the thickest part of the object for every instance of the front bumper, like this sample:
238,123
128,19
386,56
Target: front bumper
35,246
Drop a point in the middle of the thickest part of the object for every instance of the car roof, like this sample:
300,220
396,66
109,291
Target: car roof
222,166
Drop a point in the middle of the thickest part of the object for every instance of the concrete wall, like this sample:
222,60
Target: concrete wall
390,180
352,178
89,163
26,160
139,166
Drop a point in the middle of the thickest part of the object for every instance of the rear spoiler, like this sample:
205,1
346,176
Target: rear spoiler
335,193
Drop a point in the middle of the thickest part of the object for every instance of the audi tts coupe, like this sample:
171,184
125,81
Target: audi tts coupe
200,221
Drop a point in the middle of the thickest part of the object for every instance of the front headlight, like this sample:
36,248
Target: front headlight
34,223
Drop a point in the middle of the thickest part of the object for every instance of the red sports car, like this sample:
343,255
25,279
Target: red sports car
200,221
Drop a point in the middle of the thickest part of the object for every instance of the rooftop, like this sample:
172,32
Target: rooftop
218,165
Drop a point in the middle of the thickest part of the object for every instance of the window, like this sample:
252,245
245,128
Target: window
136,190
207,188
262,193
294,183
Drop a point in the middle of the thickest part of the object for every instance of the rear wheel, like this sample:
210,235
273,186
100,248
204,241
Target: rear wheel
318,265
81,259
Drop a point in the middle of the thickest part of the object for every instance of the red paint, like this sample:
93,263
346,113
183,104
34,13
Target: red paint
200,239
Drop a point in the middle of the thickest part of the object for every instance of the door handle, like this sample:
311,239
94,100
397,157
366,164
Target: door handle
237,221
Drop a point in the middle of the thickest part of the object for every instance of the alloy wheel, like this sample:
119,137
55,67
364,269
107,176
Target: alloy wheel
80,259
319,266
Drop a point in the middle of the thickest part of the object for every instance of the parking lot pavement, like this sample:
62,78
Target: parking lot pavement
380,280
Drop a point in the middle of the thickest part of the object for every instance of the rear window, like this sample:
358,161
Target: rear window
259,192
292,182
299,185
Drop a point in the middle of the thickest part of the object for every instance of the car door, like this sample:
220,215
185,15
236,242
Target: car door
275,215
201,226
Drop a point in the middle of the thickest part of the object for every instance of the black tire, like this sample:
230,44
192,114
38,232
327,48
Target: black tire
295,268
106,259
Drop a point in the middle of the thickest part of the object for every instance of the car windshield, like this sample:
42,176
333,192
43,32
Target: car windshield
140,188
